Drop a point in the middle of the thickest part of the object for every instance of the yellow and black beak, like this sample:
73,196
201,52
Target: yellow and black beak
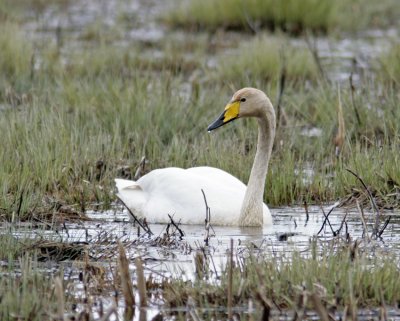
230,113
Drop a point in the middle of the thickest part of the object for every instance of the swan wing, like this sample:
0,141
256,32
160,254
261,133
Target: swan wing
178,192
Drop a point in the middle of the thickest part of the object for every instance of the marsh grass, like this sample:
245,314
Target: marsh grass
290,16
265,58
341,276
389,65
72,120
16,55
27,296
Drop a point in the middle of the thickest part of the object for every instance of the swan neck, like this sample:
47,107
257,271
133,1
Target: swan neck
252,207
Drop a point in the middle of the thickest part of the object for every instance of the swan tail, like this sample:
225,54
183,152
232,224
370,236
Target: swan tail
131,194
122,184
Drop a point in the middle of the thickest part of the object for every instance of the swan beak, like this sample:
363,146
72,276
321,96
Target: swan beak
230,113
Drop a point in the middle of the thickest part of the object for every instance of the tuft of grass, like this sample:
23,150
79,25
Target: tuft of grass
389,65
340,278
291,16
264,58
16,55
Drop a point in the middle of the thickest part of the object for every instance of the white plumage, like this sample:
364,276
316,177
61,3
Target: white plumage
177,192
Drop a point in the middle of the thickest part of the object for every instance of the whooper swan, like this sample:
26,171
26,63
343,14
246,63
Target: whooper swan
177,191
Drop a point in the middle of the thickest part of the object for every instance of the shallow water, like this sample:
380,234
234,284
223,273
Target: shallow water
290,232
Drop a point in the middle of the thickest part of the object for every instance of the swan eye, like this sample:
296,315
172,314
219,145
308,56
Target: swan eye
243,100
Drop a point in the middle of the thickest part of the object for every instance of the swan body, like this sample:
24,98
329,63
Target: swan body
177,191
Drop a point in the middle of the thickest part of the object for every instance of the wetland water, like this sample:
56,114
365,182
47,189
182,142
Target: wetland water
291,232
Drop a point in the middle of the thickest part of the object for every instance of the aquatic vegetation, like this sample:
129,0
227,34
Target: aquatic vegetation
341,276
265,58
16,56
389,65
290,16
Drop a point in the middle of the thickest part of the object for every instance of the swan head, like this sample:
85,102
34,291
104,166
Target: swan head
246,102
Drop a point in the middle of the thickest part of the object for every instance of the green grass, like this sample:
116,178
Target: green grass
342,276
105,104
16,57
28,296
389,65
263,58
291,15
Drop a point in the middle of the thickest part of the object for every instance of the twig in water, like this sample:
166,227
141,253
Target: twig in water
207,221
144,227
365,229
66,229
372,200
327,220
341,224
384,226
307,214
203,249
348,237
230,280
177,227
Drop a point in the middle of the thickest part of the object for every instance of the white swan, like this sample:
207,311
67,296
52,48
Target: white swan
177,191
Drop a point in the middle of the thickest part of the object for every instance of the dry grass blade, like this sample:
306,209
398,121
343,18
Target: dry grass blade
340,136
141,282
140,169
125,277
319,307
59,291
352,90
